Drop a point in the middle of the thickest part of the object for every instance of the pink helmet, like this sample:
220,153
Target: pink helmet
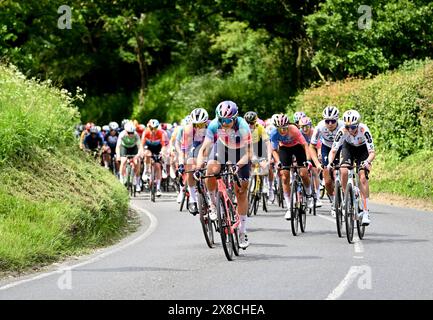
280,120
227,109
305,121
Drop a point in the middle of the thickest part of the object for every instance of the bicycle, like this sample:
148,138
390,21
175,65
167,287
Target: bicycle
255,189
156,158
298,200
185,192
228,219
279,189
353,200
338,201
130,175
207,224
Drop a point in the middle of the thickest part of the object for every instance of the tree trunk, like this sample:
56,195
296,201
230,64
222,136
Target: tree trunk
142,65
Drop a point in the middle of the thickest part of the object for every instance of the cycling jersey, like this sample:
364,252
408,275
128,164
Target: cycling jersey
154,138
362,137
192,137
128,142
111,141
259,133
293,138
92,143
239,136
324,134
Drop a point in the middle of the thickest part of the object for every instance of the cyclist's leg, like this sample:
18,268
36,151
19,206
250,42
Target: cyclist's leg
329,182
190,166
362,155
286,160
347,160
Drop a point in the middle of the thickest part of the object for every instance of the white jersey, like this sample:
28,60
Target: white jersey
327,136
363,136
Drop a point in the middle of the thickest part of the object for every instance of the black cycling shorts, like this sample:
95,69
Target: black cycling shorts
351,154
128,151
286,154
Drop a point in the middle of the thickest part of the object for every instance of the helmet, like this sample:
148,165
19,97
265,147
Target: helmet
330,113
351,117
99,128
280,120
94,130
199,115
153,123
298,115
305,121
186,121
250,117
113,125
140,129
227,109
106,128
129,127
124,121
89,125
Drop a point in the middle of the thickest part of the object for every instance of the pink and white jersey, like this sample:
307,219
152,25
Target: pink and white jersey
363,136
322,133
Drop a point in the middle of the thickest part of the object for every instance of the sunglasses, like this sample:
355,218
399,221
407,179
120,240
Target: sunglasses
305,128
352,127
330,121
225,120
130,132
199,125
283,129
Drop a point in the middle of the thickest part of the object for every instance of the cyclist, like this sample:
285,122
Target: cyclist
111,140
177,147
84,133
128,144
357,145
305,126
155,141
325,133
229,138
297,116
93,141
191,142
261,149
287,141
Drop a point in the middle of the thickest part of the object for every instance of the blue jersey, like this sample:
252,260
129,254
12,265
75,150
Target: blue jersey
235,138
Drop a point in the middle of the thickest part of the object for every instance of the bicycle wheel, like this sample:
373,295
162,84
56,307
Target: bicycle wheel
235,234
349,213
226,236
251,198
338,201
183,199
256,203
360,227
205,221
281,193
265,207
303,211
294,210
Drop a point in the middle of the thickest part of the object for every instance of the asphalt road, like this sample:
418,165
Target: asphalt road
167,258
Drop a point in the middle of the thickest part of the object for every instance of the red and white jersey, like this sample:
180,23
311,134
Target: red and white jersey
363,136
322,133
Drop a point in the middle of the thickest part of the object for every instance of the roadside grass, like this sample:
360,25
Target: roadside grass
55,201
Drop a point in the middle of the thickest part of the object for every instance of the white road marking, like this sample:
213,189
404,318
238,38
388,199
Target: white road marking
345,284
63,268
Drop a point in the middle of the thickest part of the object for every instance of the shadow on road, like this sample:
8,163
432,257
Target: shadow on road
129,269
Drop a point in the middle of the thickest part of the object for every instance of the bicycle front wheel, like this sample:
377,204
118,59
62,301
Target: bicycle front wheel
338,201
294,210
205,221
349,213
224,227
235,234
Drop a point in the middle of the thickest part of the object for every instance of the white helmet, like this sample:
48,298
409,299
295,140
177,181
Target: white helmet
129,127
113,125
280,120
351,117
153,123
199,115
298,115
186,121
330,113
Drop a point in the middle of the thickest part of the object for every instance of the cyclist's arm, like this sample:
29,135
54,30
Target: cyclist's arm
313,154
204,151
